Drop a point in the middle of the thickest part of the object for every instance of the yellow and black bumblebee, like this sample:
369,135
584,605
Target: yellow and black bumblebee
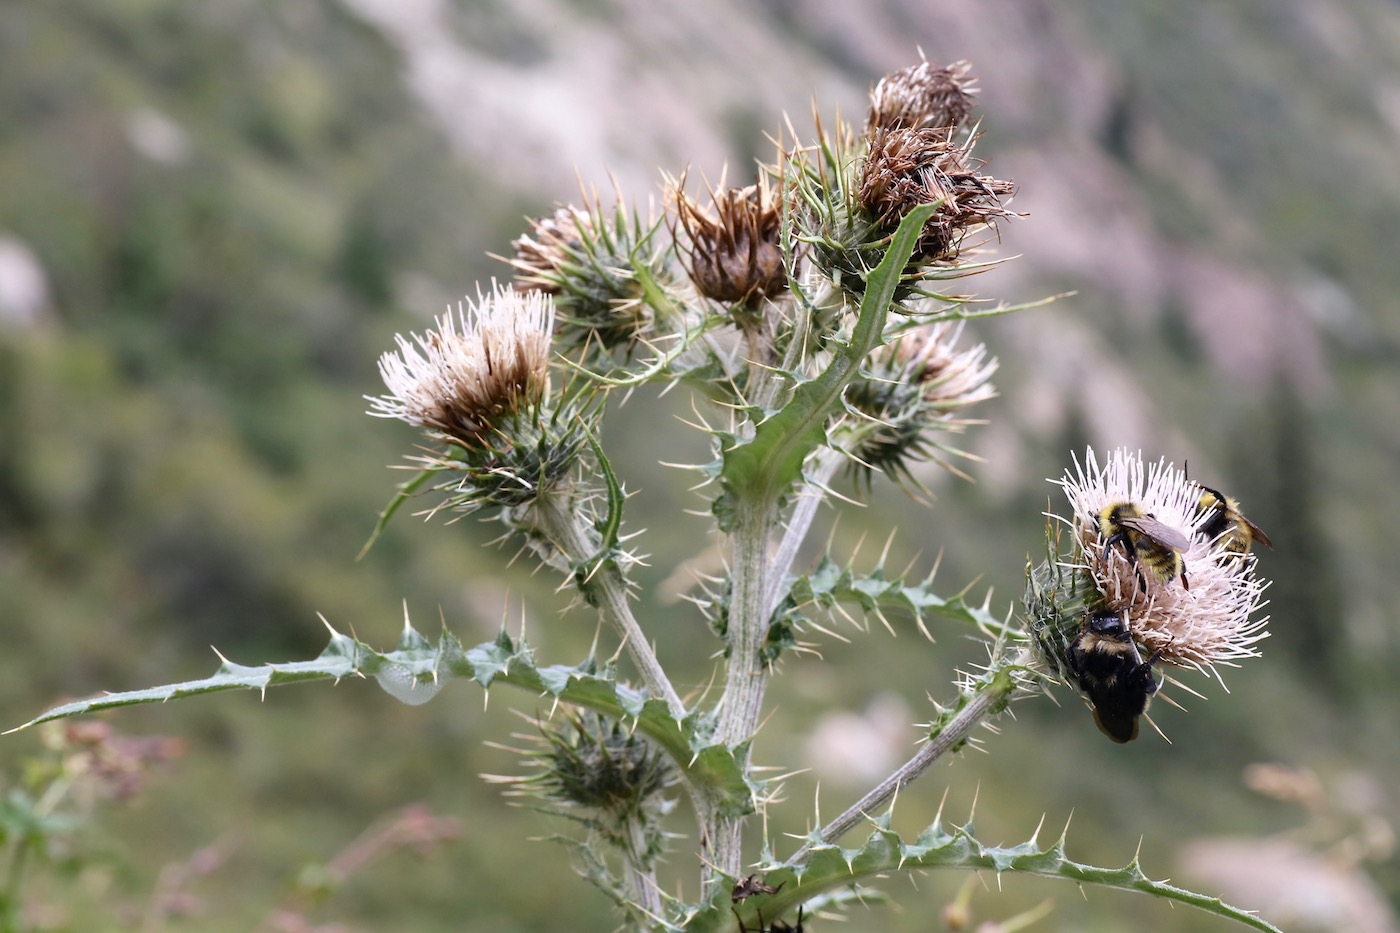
1146,542
1226,524
1105,662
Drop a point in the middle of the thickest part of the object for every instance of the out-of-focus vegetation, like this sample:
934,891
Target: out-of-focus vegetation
235,206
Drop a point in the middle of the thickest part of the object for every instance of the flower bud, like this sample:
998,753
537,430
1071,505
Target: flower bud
736,254
583,261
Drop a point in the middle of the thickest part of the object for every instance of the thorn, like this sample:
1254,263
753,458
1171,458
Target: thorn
1156,728
938,817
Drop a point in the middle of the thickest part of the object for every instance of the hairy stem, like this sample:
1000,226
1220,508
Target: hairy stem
809,499
640,877
989,699
576,540
747,674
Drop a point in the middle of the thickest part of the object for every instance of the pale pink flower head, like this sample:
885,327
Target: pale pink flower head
1202,617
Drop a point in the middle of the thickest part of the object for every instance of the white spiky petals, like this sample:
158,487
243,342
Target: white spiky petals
1211,623
477,368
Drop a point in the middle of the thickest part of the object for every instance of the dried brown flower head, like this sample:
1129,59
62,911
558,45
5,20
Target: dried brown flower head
922,95
908,167
465,379
736,254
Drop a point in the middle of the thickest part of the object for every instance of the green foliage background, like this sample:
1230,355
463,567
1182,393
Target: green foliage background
184,458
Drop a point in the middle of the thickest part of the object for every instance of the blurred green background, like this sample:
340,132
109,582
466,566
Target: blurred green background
215,216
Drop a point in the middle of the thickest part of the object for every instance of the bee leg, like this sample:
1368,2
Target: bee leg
1185,584
1113,539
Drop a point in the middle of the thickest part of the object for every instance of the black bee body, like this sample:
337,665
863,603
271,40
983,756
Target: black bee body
1106,663
1146,541
778,926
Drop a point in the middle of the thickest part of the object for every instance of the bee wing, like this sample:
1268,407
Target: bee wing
1257,533
1158,531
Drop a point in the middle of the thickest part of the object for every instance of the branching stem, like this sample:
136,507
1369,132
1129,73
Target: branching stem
988,700
576,540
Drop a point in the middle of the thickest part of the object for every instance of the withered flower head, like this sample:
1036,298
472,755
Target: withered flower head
479,368
906,167
737,254
922,95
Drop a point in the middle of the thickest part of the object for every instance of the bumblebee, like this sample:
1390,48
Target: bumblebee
1146,542
1105,661
1226,524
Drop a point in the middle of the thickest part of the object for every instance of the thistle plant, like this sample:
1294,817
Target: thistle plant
809,315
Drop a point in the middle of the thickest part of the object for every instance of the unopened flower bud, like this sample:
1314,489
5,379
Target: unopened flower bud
583,260
735,254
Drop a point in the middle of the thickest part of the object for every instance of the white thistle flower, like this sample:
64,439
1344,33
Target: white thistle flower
950,378
478,368
1208,625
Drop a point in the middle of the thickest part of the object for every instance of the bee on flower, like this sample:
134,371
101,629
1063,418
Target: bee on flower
1117,602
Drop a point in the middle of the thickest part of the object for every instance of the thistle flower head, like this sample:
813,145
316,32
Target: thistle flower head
735,253
542,254
905,167
909,393
1200,618
583,260
948,378
922,95
477,370
593,763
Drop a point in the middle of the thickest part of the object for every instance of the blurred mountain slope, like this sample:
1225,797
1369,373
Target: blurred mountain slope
230,208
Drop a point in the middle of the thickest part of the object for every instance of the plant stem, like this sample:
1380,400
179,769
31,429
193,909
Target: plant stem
640,878
747,674
809,499
989,699
568,531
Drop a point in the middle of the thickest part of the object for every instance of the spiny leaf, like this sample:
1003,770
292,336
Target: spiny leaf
829,867
830,584
415,671
771,461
